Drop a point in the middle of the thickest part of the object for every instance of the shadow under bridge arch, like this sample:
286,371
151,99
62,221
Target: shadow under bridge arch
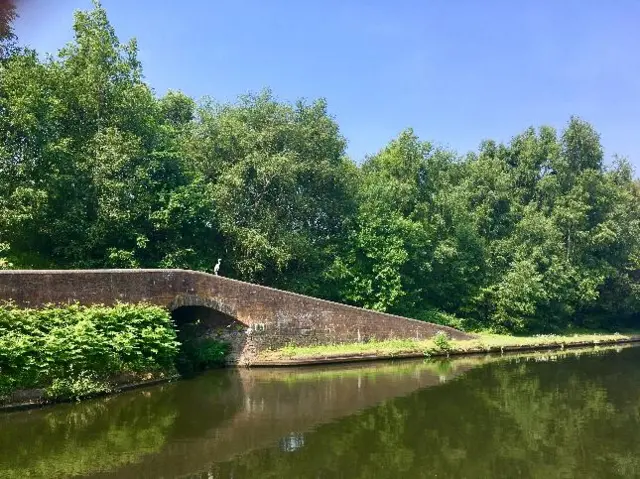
197,320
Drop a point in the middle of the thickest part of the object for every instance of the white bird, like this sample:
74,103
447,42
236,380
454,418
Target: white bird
216,268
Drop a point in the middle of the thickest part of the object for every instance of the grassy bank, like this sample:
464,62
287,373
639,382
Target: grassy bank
437,346
69,352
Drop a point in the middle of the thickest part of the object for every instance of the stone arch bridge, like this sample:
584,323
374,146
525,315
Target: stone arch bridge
261,317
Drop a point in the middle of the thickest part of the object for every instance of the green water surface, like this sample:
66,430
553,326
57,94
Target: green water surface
540,415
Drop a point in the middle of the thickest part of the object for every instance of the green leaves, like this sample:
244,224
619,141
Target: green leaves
66,347
96,171
7,37
4,261
527,236
279,183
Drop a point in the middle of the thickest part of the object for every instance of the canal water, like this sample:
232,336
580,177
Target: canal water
548,415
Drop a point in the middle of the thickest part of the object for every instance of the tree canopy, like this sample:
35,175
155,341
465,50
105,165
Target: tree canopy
96,170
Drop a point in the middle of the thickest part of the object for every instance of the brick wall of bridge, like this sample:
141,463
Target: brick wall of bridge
273,318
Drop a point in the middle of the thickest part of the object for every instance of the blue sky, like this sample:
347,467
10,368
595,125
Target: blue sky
457,71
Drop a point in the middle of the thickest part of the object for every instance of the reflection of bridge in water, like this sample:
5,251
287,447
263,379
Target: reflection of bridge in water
179,429
280,406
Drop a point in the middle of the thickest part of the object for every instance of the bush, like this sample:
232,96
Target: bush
74,388
441,340
445,319
75,350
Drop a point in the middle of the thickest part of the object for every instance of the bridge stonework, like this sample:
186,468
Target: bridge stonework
270,318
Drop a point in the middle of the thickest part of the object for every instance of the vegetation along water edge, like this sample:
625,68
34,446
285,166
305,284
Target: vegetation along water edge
438,346
60,353
63,353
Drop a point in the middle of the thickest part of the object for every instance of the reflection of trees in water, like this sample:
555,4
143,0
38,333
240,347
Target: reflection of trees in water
205,403
578,418
103,435
575,418
278,408
83,438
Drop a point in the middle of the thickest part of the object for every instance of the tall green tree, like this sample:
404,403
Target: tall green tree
281,185
86,157
411,248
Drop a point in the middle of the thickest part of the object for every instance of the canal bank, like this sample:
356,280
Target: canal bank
438,347
292,356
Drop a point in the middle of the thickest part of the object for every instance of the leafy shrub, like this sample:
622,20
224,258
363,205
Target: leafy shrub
74,350
211,352
442,342
4,262
445,319
74,388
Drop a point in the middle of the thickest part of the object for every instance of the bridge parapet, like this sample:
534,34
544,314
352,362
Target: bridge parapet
273,318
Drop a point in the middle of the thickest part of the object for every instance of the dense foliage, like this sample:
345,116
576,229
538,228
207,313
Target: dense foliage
97,171
77,350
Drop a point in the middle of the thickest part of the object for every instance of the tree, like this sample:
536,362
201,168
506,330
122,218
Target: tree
87,161
411,249
280,182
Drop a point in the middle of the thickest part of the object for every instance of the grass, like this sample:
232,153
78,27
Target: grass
485,342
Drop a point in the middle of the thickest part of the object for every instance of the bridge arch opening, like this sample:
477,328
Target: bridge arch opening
208,338
204,317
